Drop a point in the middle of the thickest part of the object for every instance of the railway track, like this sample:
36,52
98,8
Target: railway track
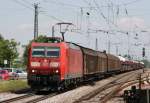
42,98
120,87
29,98
116,89
115,84
18,98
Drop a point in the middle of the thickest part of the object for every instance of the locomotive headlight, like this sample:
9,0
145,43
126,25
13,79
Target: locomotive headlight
54,64
57,71
34,71
35,64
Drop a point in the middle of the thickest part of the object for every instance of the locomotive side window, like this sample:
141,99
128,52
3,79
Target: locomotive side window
38,52
52,52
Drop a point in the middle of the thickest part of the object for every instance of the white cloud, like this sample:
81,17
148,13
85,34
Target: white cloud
25,27
130,23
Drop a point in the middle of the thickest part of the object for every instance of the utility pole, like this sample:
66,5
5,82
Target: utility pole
53,30
88,26
81,18
117,50
96,44
108,42
36,21
129,56
140,81
108,46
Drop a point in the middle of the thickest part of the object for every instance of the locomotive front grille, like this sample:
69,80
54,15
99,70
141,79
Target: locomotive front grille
43,79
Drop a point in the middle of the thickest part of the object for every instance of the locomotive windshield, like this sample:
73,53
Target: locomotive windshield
38,52
52,52
45,52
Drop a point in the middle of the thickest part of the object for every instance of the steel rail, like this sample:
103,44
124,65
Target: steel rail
101,89
17,98
119,88
42,98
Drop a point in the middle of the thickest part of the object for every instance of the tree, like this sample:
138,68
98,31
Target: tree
1,38
8,51
25,55
41,39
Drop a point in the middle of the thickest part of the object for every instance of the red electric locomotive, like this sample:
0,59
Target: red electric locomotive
54,64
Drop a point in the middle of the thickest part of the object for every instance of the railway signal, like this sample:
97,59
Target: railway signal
143,52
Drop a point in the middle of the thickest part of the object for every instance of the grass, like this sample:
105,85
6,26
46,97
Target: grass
13,85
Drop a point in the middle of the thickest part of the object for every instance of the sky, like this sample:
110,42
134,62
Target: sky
107,20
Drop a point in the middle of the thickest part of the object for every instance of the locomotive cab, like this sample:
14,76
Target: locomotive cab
45,57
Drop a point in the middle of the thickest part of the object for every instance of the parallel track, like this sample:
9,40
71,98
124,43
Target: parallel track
120,87
103,88
18,98
117,87
42,98
35,100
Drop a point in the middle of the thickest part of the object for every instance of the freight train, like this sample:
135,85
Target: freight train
56,64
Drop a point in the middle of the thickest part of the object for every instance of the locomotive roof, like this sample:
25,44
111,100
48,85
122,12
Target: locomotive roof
111,56
44,44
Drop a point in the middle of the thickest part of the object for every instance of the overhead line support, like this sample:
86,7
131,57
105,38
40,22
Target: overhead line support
36,21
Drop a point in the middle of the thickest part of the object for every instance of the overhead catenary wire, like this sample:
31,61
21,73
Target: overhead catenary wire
27,5
123,4
99,10
27,2
128,3
79,6
62,4
23,4
114,5
52,17
103,16
91,7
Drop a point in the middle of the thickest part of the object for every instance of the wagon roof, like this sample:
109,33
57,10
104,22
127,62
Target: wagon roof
110,56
